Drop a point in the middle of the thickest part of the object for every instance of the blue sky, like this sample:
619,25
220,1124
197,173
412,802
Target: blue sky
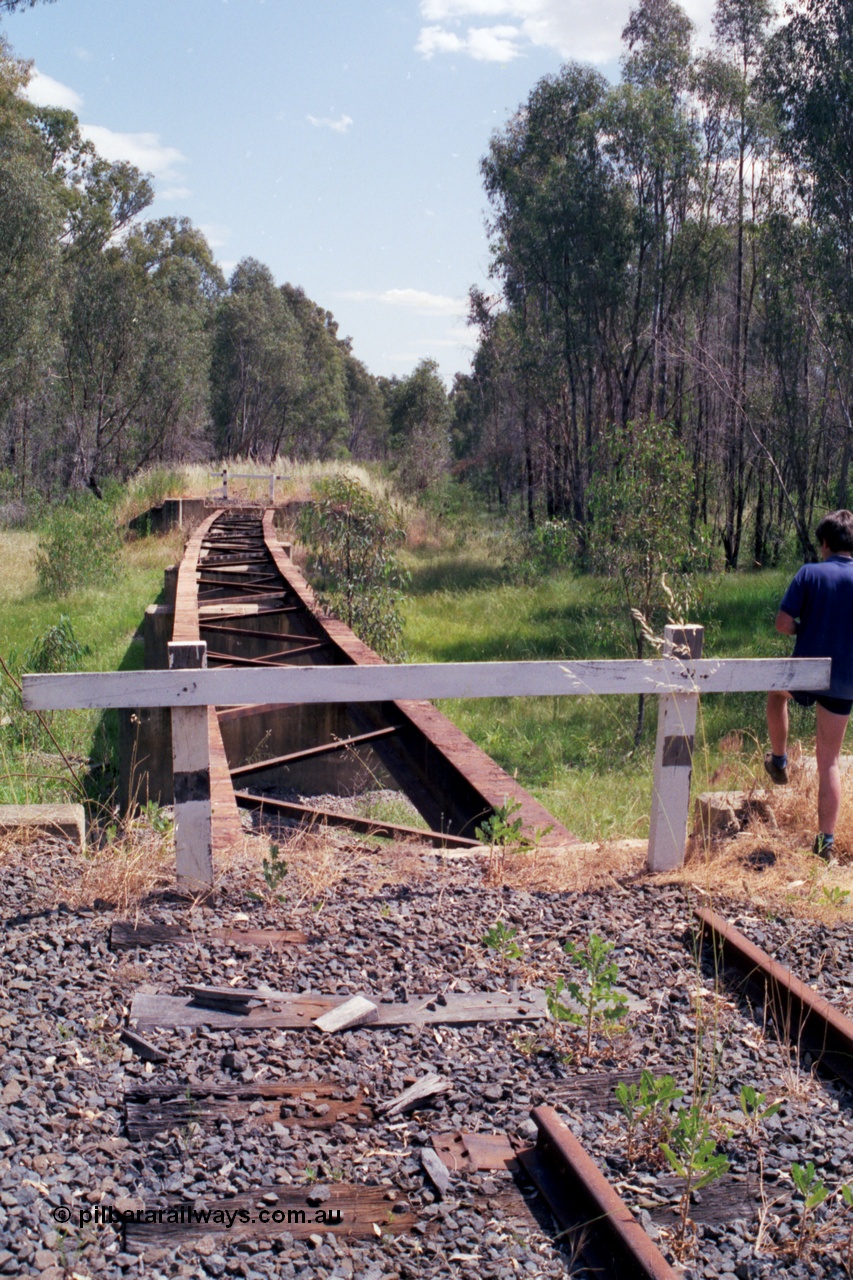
338,141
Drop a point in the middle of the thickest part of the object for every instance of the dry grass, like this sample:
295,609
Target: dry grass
321,859
17,555
124,872
576,868
298,482
155,553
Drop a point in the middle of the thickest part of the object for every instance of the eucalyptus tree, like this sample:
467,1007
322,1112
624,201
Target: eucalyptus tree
420,418
561,240
809,78
738,135
31,223
319,423
258,370
14,6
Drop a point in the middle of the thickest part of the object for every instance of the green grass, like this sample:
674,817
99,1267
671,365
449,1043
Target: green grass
106,621
576,754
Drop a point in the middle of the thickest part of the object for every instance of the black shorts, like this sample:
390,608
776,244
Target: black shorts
838,706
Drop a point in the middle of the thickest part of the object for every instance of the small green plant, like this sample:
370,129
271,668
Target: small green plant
596,995
500,938
385,910
755,1107
646,1107
814,1192
499,830
846,1193
503,834
692,1154
55,649
526,1045
836,896
157,819
275,870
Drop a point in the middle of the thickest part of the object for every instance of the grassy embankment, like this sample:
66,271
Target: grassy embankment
576,754
105,619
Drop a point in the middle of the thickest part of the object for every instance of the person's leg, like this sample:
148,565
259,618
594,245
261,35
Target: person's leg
830,736
777,721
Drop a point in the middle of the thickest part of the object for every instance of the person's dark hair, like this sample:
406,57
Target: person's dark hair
836,530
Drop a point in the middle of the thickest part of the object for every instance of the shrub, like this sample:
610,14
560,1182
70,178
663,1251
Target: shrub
352,537
79,547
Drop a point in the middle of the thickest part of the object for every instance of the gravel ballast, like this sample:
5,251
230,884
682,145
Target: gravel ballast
397,924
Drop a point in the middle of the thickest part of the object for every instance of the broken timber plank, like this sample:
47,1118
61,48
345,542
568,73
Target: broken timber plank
142,1048
234,999
436,1170
427,1087
299,1011
154,1108
356,1012
124,935
270,1211
67,821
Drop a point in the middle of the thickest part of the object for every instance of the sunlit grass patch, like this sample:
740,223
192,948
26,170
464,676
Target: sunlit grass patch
576,754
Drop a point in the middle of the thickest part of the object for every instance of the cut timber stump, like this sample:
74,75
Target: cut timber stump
65,820
725,813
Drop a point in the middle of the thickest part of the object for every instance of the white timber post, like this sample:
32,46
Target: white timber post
674,758
191,766
224,484
272,488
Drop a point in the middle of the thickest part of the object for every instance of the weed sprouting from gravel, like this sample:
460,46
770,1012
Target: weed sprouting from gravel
595,995
692,1154
500,938
646,1107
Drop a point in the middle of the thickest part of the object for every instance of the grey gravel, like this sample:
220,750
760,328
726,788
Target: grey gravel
394,924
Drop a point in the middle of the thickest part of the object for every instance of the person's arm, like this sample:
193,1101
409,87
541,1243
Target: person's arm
785,623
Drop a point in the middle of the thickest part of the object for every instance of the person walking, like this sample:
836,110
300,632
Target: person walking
817,609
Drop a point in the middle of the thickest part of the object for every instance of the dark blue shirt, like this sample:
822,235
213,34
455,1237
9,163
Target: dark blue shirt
821,597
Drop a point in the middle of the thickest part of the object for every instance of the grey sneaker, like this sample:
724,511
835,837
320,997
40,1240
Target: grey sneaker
779,776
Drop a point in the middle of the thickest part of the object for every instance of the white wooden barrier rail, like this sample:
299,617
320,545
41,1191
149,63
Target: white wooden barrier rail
227,686
190,684
270,477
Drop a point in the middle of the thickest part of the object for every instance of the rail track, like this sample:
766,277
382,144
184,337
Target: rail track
238,590
458,1132
510,1159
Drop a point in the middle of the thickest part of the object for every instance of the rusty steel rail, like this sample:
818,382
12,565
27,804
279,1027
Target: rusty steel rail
798,1012
613,1242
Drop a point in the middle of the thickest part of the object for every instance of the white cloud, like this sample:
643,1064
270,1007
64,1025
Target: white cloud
342,125
585,30
145,150
441,10
419,300
174,193
44,91
216,234
484,44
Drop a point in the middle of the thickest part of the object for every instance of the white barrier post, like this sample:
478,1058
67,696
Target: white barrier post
191,766
674,758
224,484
